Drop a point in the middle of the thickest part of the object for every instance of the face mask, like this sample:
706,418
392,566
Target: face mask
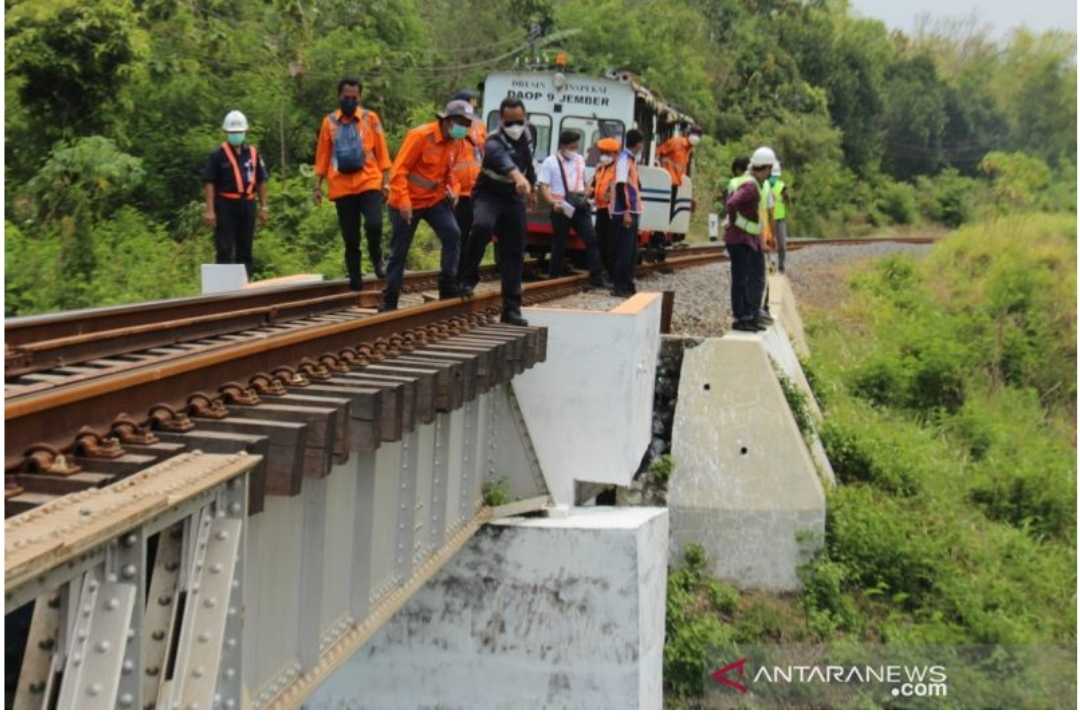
348,105
458,132
515,131
568,154
606,159
236,138
694,138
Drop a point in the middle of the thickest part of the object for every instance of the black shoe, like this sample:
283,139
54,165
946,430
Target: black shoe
449,292
745,326
759,324
598,283
466,291
616,292
387,304
513,317
380,270
764,317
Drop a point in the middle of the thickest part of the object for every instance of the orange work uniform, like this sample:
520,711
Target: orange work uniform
376,156
467,166
674,156
423,170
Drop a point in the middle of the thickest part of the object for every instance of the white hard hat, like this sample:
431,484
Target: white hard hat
776,168
235,121
762,156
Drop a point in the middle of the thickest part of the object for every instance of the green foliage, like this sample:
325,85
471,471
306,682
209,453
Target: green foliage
84,180
661,467
953,524
1019,181
496,493
798,403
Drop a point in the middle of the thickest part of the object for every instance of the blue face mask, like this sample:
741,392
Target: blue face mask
458,132
236,138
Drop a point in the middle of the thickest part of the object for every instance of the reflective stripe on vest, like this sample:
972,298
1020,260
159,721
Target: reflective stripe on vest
241,193
421,181
747,225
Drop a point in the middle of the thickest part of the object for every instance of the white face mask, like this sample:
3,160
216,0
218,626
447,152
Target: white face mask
694,138
606,158
514,132
568,154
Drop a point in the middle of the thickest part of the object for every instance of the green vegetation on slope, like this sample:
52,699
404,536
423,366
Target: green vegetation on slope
948,387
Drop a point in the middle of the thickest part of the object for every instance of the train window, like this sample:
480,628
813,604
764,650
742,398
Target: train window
539,127
592,130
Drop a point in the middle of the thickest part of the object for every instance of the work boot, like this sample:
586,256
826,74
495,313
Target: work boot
513,317
448,289
388,302
380,270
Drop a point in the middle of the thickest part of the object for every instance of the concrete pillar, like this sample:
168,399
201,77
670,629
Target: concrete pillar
534,613
744,485
589,407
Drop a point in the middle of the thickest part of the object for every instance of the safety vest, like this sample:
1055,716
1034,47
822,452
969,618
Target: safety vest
605,175
249,191
737,182
748,225
780,209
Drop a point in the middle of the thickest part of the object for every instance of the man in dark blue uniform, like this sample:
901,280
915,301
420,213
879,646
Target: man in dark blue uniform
506,180
233,175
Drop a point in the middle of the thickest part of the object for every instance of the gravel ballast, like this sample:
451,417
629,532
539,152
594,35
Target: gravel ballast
703,294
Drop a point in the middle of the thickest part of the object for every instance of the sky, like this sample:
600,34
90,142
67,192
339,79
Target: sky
1002,14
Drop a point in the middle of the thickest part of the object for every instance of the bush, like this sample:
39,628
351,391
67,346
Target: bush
882,547
868,455
896,200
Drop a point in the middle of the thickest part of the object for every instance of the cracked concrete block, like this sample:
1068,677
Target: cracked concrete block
557,612
744,484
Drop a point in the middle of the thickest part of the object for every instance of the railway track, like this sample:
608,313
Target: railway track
89,395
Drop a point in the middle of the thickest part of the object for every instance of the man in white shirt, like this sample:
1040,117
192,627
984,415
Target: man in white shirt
562,184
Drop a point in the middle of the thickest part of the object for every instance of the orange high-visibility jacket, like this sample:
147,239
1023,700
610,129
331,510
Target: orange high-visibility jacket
467,166
376,156
674,155
423,169
602,185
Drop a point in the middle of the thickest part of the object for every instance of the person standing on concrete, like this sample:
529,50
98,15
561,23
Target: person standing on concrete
600,189
625,212
562,184
505,183
743,241
423,186
234,174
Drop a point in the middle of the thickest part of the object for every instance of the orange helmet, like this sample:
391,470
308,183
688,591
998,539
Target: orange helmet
608,145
